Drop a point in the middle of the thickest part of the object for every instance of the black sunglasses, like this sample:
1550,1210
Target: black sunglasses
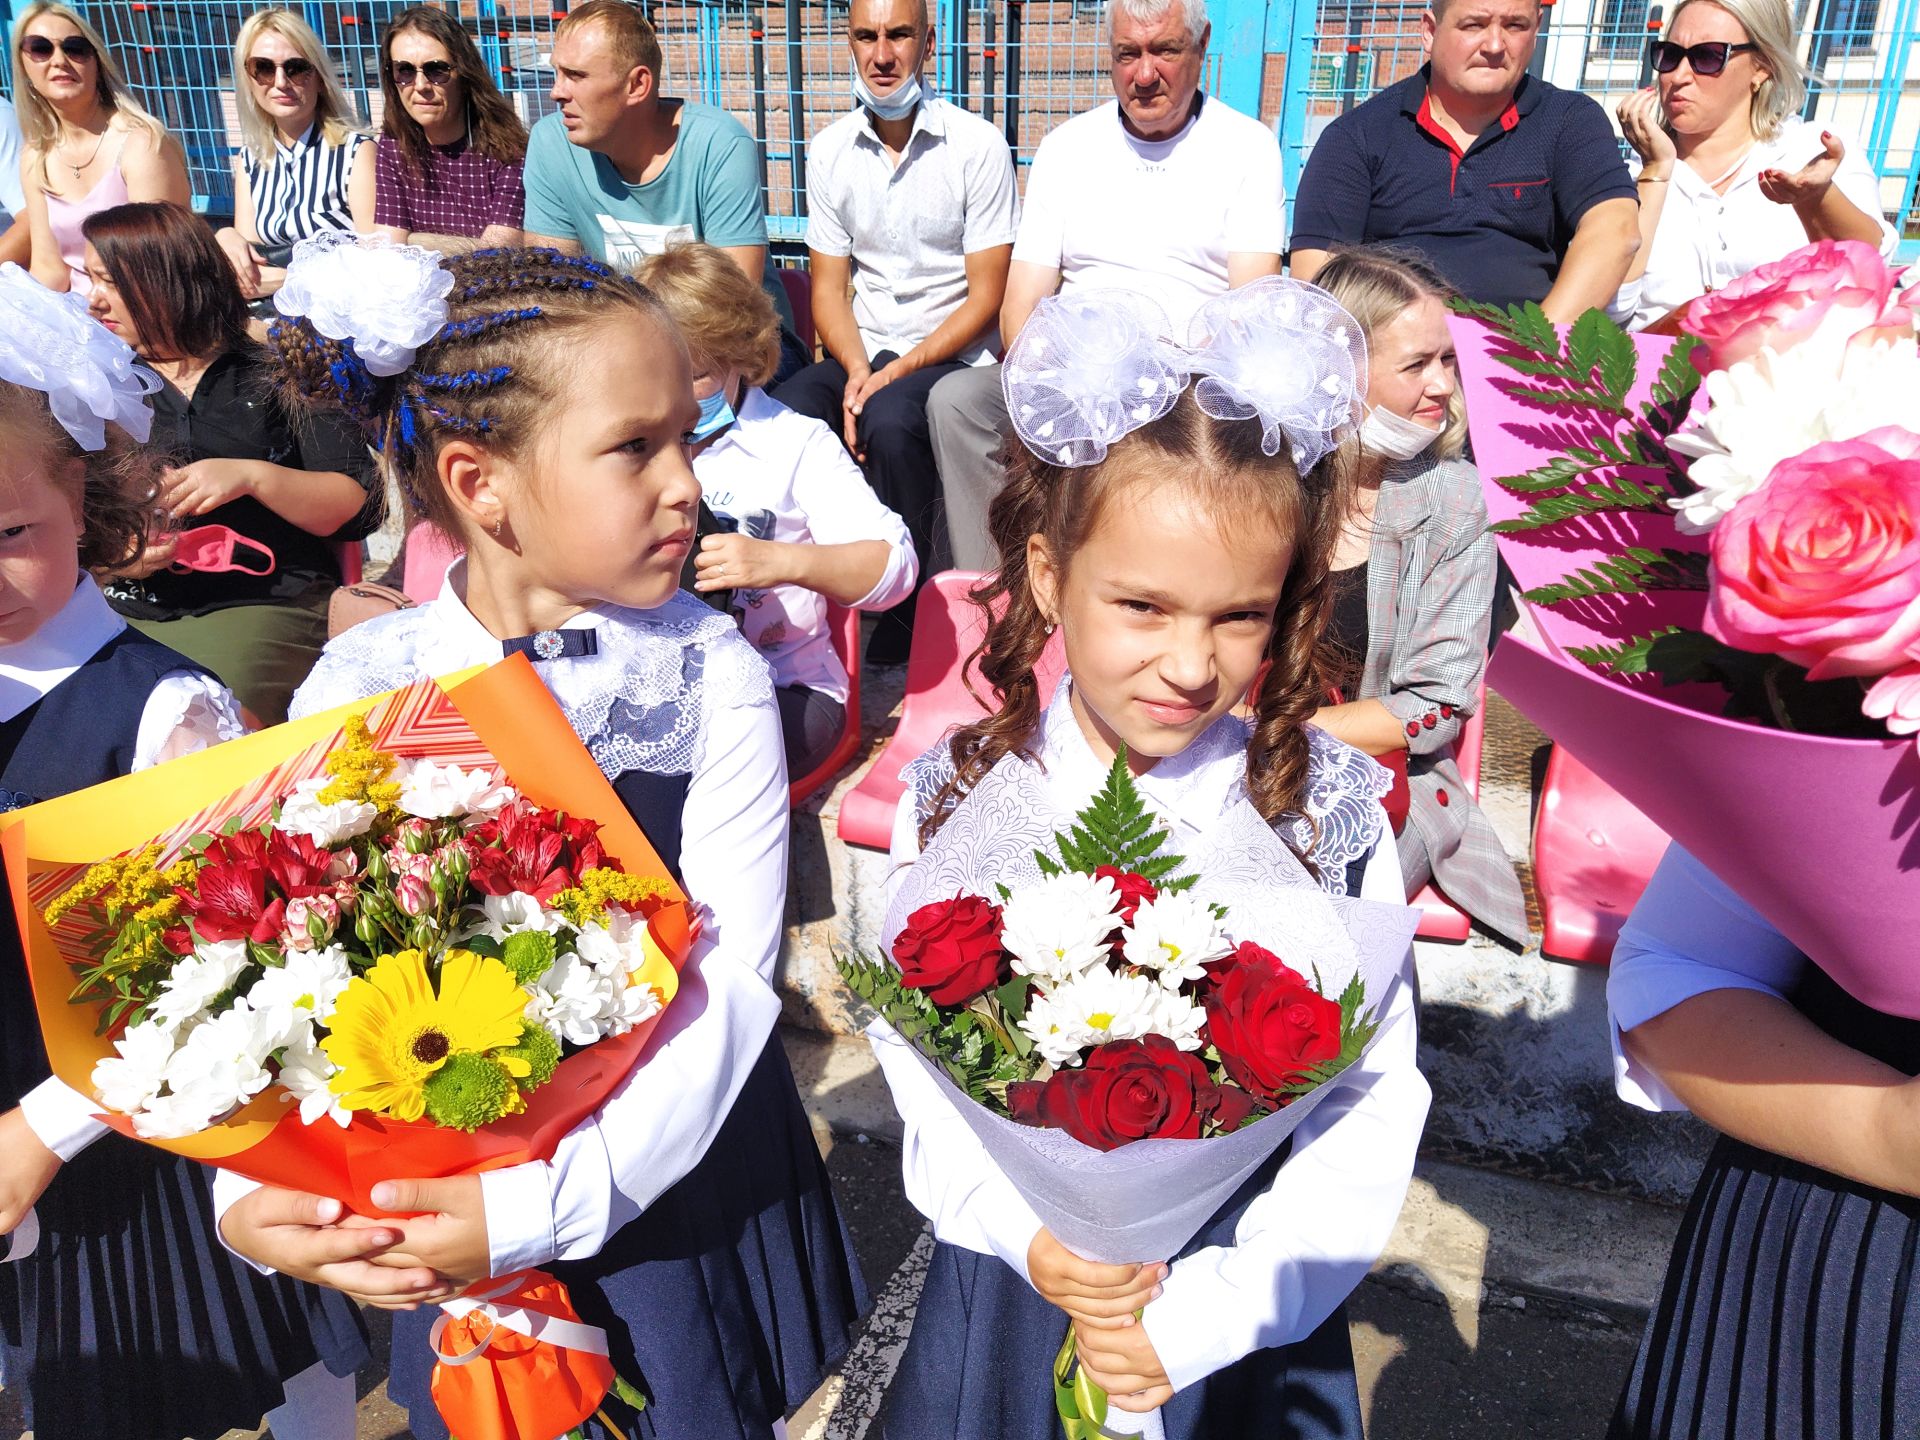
1709,57
434,72
39,49
262,69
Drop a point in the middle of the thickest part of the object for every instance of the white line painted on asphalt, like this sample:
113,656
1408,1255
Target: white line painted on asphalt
847,1404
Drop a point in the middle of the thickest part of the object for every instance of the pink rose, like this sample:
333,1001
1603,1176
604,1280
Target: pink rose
1841,288
412,895
310,922
1895,699
1822,563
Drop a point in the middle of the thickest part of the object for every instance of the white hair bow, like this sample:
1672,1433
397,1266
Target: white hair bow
387,299
49,343
1092,365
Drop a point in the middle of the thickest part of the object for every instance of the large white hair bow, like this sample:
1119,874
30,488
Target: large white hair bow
49,343
1092,365
387,300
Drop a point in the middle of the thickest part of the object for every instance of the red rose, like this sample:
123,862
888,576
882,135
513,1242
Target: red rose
951,950
1134,889
1268,1023
1128,1090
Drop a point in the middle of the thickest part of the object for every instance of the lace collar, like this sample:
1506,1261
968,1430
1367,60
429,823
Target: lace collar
640,702
32,668
1197,790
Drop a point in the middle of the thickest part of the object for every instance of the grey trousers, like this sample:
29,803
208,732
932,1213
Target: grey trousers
967,420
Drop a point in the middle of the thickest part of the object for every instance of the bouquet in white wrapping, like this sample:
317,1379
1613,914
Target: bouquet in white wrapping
1131,1034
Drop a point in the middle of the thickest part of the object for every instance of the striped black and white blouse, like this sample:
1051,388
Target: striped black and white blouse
303,189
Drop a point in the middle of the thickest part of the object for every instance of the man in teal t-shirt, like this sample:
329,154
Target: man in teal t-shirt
622,172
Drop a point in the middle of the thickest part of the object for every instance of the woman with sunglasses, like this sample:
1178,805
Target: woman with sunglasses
1730,176
256,499
303,165
88,144
451,155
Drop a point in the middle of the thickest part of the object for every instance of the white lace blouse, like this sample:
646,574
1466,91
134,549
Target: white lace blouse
1303,1244
674,690
187,711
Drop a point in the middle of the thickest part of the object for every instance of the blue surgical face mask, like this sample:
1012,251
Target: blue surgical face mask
896,106
716,414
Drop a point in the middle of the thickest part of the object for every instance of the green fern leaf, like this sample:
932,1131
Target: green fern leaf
1619,362
1677,379
1620,494
1586,341
1635,572
1628,658
1116,828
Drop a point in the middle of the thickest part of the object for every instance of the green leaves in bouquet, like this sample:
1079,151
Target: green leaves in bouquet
1585,379
1632,572
1116,828
1356,1029
980,1047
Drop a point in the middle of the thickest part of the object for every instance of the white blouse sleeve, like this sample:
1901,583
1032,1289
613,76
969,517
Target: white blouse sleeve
1304,1243
947,1172
657,1126
1689,934
187,711
841,508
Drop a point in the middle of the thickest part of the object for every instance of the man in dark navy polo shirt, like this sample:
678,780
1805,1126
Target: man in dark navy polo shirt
1513,188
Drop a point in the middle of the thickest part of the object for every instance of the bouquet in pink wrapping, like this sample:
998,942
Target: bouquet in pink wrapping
1719,540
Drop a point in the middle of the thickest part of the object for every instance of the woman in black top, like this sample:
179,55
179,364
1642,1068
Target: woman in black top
258,498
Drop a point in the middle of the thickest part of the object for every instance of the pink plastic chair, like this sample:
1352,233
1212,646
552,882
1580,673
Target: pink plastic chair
799,287
1593,855
947,627
845,627
1440,918
429,553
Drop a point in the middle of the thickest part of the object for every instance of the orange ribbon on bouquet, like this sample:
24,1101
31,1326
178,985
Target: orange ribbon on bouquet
514,1361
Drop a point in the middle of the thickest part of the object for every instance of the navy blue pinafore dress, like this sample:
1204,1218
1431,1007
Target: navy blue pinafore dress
729,1297
130,1319
1791,1308
979,1364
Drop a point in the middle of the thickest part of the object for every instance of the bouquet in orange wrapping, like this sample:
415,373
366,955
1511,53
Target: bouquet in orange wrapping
418,936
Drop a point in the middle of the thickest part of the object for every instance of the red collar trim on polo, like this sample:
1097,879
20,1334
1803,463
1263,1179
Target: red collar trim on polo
1509,118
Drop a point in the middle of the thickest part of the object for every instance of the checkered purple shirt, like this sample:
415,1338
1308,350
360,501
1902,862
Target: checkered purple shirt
465,191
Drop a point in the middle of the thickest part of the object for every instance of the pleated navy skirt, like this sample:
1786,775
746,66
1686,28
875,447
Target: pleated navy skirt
978,1365
726,1300
131,1320
1790,1310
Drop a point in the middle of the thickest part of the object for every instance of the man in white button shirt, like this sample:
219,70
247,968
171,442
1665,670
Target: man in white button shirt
912,199
1161,191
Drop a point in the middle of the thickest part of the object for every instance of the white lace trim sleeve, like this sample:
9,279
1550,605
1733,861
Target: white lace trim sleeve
187,711
1342,819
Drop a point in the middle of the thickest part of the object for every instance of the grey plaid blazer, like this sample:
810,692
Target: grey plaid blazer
1430,581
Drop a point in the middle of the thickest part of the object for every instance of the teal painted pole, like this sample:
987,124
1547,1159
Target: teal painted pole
1302,18
1240,42
1892,83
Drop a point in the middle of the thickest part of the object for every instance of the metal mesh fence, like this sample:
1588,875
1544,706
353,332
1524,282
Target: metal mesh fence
781,66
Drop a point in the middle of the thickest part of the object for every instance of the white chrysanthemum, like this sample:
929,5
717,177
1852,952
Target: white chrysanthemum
616,952
301,813
127,1080
221,1065
287,997
1180,1020
510,914
443,792
1773,407
1091,1009
306,1072
196,980
573,1000
1174,936
1060,925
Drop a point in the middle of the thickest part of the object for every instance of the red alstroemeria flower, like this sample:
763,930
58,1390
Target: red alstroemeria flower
228,901
527,855
298,866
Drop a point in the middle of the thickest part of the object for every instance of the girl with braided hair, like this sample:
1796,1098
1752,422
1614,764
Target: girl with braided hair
691,1218
1178,539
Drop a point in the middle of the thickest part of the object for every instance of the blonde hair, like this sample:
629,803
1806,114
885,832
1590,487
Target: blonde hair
338,122
39,125
1375,284
725,318
634,40
1769,27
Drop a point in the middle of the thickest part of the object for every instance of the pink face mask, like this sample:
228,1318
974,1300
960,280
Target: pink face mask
210,549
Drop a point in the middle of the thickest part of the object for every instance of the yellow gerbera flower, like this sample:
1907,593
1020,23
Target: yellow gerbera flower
390,1031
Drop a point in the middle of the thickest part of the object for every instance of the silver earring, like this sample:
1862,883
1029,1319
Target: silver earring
499,525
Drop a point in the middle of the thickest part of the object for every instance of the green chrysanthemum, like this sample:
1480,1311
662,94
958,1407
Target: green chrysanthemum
541,1053
470,1091
529,955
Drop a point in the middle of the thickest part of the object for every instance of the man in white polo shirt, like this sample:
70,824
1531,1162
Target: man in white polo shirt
911,199
1161,191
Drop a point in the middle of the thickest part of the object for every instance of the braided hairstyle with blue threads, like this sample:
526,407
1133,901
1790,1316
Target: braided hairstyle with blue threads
496,373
